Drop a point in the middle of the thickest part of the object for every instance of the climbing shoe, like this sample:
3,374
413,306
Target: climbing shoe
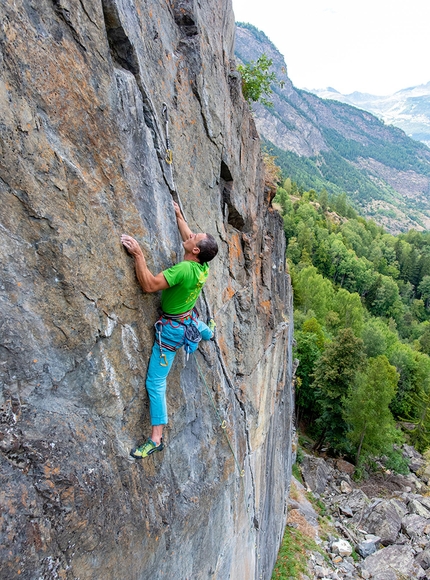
146,449
211,324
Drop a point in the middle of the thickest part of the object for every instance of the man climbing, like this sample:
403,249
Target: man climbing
181,285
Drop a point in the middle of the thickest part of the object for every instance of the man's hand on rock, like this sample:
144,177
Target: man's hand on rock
177,210
131,245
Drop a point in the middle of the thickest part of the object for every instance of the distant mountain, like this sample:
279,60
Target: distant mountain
408,109
329,144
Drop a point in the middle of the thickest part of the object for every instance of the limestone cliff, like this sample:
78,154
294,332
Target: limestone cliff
83,159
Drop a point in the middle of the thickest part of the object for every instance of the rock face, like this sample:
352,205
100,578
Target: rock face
82,88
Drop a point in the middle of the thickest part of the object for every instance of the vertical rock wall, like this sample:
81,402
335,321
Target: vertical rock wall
82,87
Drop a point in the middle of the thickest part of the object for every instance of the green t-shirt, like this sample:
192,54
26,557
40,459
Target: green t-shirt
186,280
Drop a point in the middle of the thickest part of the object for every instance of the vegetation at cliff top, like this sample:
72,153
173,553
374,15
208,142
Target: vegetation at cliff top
257,79
362,326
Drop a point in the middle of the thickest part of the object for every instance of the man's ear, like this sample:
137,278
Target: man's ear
196,250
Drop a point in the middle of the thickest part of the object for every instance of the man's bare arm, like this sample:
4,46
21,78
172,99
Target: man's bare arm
147,280
184,230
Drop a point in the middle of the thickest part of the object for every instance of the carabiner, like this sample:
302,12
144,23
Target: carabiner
163,360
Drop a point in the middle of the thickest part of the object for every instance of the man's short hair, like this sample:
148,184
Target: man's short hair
208,249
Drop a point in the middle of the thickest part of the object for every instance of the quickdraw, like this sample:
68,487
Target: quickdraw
163,358
169,153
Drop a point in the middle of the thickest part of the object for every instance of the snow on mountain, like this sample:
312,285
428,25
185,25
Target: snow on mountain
408,108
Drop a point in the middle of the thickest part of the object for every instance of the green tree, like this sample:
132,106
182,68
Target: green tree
367,412
256,80
323,200
424,291
335,374
313,292
419,413
404,358
307,352
377,337
350,310
420,435
424,339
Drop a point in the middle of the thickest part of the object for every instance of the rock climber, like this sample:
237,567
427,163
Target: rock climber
180,285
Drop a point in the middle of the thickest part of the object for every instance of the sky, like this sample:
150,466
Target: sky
371,46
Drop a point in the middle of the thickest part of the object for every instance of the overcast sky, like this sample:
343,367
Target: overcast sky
372,46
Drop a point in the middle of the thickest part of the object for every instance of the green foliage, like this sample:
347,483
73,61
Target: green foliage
296,472
300,456
292,556
396,462
256,80
349,274
313,292
366,408
335,375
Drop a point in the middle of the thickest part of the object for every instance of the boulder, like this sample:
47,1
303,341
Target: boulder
356,501
425,501
414,526
399,506
345,487
423,559
342,547
315,472
383,519
366,548
416,507
344,466
393,562
416,460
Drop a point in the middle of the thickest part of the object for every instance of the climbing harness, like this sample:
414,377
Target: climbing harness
191,337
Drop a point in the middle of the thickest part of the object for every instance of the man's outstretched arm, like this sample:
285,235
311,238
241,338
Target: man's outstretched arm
147,280
184,230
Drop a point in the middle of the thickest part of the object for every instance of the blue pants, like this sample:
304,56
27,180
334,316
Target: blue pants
172,334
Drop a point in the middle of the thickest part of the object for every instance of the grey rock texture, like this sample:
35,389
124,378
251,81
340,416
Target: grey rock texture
83,145
394,560
315,472
399,518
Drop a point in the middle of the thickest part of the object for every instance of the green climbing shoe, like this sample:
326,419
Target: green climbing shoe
146,449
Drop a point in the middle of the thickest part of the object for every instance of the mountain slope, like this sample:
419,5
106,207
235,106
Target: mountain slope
408,109
332,145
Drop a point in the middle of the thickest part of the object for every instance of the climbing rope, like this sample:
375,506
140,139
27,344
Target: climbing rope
222,422
208,308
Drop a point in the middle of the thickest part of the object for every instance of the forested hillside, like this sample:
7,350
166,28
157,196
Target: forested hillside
362,326
327,144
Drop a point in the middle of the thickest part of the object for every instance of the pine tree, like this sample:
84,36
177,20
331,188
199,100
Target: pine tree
367,412
336,373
